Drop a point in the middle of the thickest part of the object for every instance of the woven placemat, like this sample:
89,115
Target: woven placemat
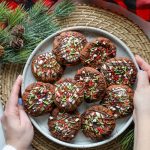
84,15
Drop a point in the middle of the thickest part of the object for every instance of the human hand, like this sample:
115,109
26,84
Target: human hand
142,93
141,113
17,126
143,65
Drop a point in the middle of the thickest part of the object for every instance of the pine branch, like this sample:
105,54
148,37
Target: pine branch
11,18
37,10
128,140
64,8
38,24
16,16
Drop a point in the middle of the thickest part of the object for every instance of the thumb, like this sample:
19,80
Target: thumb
144,65
143,79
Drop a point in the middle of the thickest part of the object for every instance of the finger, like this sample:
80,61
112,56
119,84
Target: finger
13,100
143,79
144,65
2,119
24,119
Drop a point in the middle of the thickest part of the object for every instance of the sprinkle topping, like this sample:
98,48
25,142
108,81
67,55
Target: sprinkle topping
119,71
68,94
64,124
71,46
96,122
46,67
39,99
99,51
119,100
94,84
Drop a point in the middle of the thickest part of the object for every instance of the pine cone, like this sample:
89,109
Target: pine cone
16,43
18,30
1,50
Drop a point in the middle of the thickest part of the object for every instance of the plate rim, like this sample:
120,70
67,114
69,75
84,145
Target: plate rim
72,145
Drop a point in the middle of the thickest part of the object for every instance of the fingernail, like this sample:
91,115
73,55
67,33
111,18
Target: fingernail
20,101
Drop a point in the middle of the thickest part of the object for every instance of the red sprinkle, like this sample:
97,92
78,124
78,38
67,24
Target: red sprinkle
100,130
91,83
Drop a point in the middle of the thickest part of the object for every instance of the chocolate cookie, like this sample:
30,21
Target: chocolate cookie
119,99
67,47
119,71
97,52
94,83
64,126
97,122
38,98
45,68
69,94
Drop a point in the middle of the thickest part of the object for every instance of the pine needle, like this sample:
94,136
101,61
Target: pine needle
37,10
4,37
3,12
16,16
64,8
128,140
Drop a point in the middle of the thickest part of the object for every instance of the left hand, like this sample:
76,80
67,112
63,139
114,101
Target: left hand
17,126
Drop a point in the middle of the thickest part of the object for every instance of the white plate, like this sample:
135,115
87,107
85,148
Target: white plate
40,123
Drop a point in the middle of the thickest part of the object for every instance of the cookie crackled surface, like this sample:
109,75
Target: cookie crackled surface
119,70
67,47
38,98
45,68
119,99
94,83
64,126
97,52
98,122
69,94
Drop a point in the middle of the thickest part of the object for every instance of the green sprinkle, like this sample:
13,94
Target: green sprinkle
31,106
46,102
70,87
39,73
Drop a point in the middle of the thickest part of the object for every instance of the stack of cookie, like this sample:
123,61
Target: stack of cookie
105,81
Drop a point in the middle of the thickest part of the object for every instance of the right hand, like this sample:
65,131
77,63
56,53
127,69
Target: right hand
142,93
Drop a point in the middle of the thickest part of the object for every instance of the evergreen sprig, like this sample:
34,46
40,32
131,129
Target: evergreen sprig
128,141
4,36
3,12
38,24
64,8
37,9
11,17
15,16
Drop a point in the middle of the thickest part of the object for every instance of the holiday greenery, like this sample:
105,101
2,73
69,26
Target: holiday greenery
21,31
63,10
128,140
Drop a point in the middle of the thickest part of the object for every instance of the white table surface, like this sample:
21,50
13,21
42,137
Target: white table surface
144,25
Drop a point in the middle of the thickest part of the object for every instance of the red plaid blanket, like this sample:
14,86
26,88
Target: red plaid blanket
139,7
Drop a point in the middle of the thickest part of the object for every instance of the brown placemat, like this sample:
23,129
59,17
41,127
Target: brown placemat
84,15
